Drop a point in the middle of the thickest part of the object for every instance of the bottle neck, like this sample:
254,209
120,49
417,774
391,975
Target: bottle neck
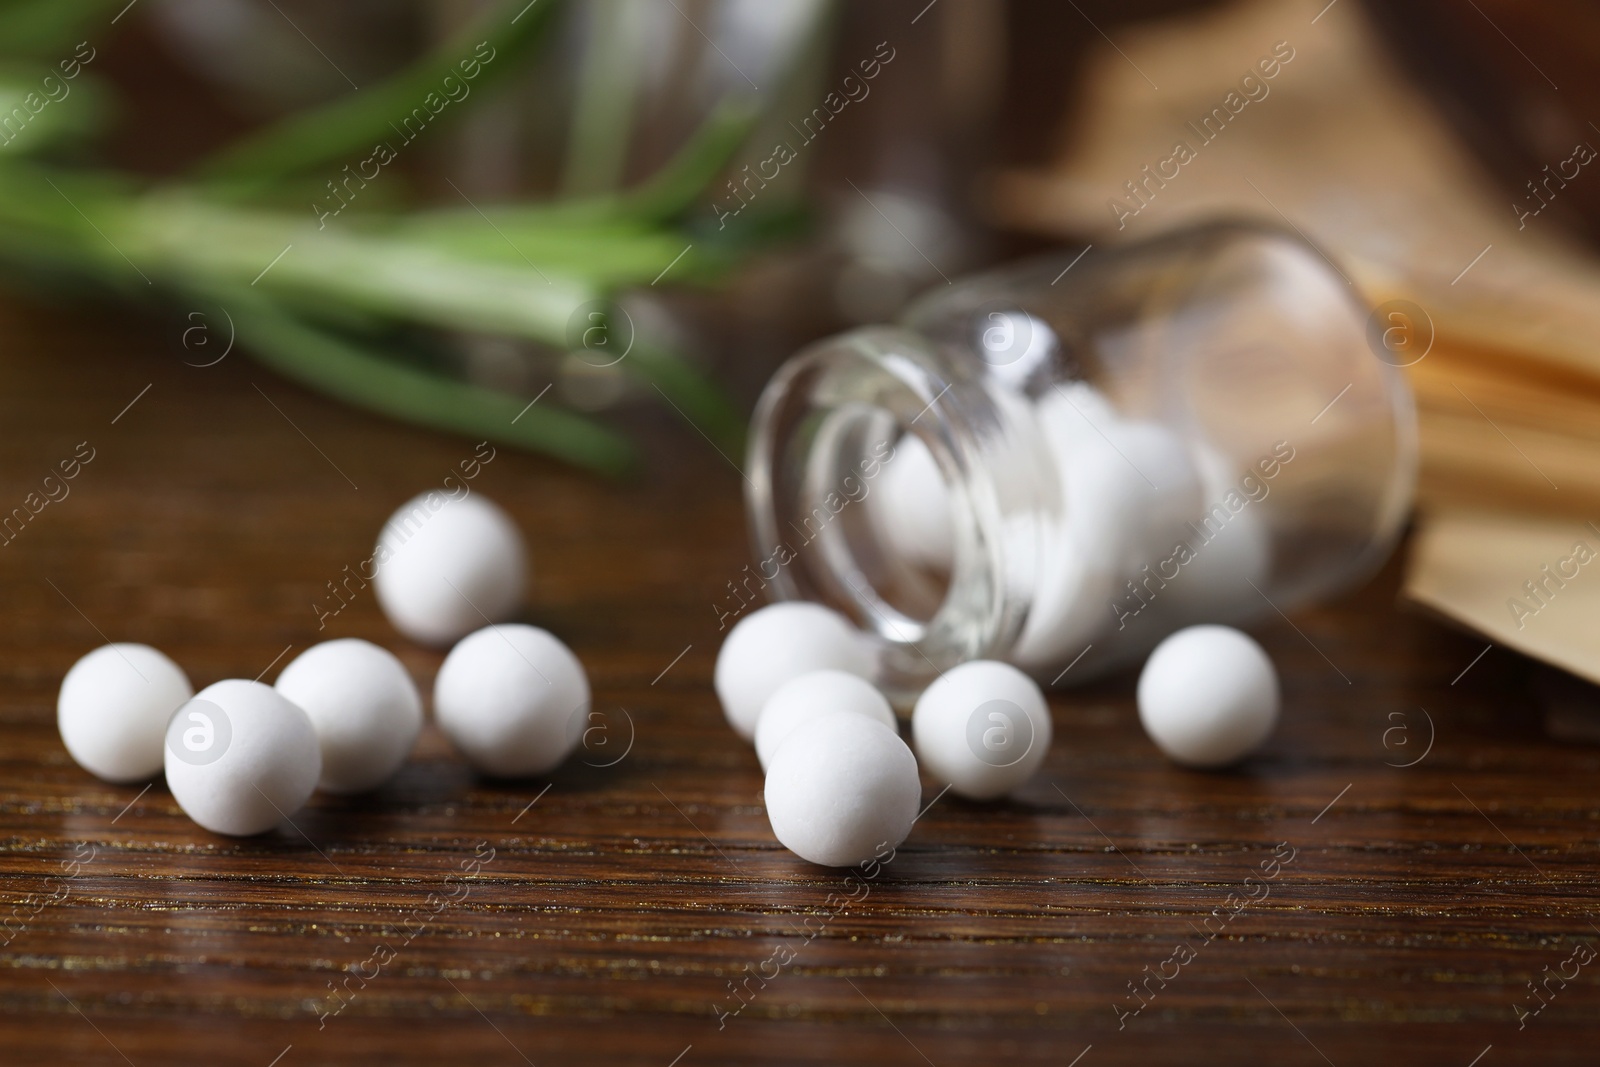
828,429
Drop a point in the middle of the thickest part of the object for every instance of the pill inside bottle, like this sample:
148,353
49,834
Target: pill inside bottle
1058,469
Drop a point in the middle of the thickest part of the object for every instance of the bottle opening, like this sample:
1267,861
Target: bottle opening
890,544
873,497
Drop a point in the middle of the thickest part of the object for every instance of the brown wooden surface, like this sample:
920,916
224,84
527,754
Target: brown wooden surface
618,907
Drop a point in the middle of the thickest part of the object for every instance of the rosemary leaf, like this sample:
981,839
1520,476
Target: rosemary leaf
327,363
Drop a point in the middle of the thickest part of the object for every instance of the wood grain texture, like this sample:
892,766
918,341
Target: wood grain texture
621,901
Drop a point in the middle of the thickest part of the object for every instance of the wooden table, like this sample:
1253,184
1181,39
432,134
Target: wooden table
612,909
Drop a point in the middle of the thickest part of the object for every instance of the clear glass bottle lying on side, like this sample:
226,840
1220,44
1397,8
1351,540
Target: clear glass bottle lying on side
1060,463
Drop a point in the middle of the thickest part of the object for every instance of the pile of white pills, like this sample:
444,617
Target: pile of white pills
241,757
841,785
794,677
1140,502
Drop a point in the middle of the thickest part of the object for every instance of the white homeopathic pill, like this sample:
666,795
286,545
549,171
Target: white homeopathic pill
811,696
1208,696
910,506
446,565
842,788
983,727
1015,345
513,699
1129,486
364,706
776,643
113,710
241,758
1068,607
1129,495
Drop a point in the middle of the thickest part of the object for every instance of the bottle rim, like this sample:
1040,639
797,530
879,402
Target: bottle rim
838,401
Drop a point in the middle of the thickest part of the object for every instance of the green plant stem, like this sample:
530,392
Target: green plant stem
702,405
605,254
664,197
356,121
608,85
330,365
129,240
73,117
189,242
41,29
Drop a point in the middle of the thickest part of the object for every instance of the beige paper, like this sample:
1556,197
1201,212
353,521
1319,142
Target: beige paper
1529,584
1341,147
1344,149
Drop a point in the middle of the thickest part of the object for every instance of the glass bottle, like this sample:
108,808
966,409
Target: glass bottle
1059,463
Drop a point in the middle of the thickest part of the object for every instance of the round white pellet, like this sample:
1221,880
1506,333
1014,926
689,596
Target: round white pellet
1014,345
241,758
513,699
1208,696
910,507
841,789
1075,410
1131,494
113,710
1068,608
445,565
810,697
1129,487
983,727
776,643
364,707
1102,495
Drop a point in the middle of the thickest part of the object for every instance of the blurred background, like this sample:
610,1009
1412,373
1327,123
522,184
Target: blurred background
995,129
713,183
